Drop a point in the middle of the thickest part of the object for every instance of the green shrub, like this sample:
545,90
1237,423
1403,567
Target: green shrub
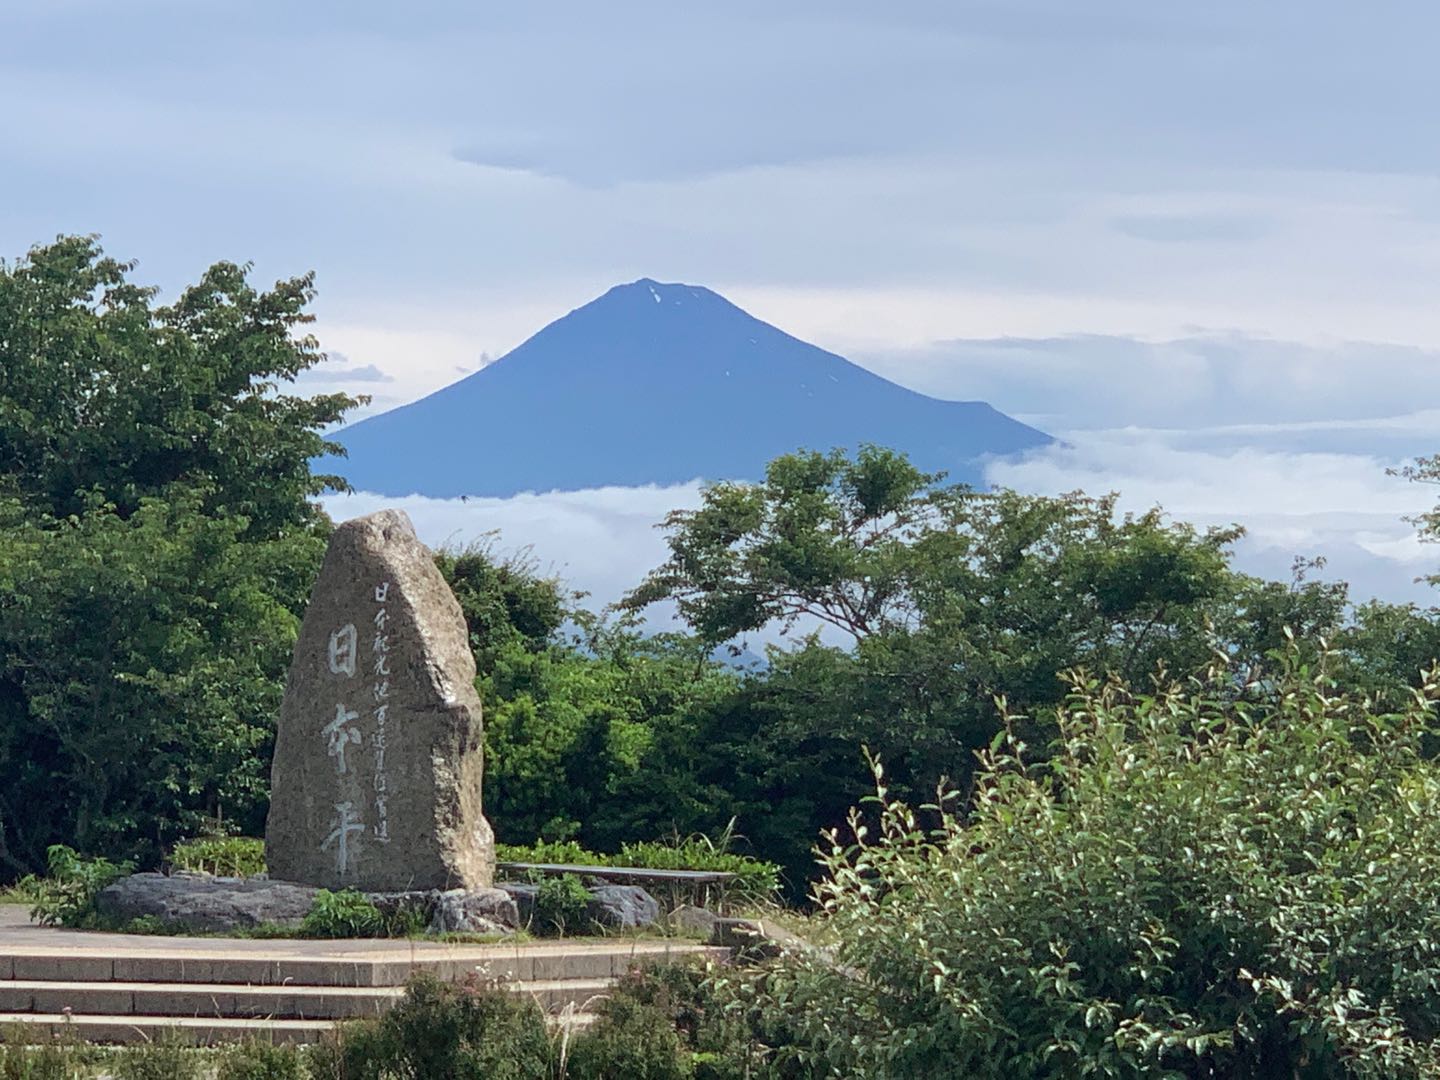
223,856
53,1060
564,852
167,1058
262,1061
561,906
65,896
755,881
700,1003
343,914
630,1039
1217,879
470,1031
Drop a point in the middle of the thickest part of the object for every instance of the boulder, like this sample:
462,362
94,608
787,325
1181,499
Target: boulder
484,911
696,921
377,767
206,904
523,895
622,907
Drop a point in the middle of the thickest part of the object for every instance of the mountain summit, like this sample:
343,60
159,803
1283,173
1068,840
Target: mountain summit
658,384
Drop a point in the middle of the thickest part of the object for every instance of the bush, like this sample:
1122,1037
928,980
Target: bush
164,1059
49,1061
223,856
755,881
1214,880
66,895
262,1061
631,1039
470,1031
343,914
561,906
705,1006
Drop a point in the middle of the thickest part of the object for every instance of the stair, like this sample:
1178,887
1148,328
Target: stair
119,988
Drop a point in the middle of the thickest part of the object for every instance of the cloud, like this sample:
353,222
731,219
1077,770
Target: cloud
601,541
367,373
1340,506
1191,228
1343,507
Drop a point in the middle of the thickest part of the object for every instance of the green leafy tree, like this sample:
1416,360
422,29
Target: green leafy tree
947,598
1214,879
157,545
1426,471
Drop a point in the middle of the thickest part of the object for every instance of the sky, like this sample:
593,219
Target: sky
1200,243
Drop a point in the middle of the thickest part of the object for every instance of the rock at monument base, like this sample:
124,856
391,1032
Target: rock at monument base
206,904
375,784
622,907
610,907
484,911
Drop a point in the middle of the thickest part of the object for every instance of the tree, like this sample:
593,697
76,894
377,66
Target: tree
1426,471
157,545
823,538
1215,879
104,393
949,598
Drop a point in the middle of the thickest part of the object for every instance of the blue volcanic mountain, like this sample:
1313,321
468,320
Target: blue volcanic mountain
658,384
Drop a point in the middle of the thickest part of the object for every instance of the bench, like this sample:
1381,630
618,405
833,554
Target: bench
695,885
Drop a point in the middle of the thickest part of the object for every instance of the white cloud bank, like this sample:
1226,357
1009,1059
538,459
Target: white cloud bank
601,541
1341,506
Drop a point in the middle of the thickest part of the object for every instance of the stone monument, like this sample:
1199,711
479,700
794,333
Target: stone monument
376,779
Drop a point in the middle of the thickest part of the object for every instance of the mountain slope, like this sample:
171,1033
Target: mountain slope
657,384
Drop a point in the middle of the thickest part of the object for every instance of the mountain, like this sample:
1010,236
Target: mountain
657,384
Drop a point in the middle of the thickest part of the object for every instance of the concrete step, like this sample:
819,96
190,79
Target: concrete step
387,964
199,1031
225,1000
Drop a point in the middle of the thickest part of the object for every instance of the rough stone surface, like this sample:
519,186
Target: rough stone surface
523,896
689,919
758,937
485,911
206,904
376,777
622,907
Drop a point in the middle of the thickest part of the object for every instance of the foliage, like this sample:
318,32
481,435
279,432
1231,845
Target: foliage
257,1060
65,896
823,537
571,732
630,1039
755,881
1426,471
704,1005
557,852
103,393
561,905
1217,878
343,914
57,1059
505,601
223,856
950,597
167,1058
470,1031
157,543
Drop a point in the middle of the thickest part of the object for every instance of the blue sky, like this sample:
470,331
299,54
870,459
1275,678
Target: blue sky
1201,241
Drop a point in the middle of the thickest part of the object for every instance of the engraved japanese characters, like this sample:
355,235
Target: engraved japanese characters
377,770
